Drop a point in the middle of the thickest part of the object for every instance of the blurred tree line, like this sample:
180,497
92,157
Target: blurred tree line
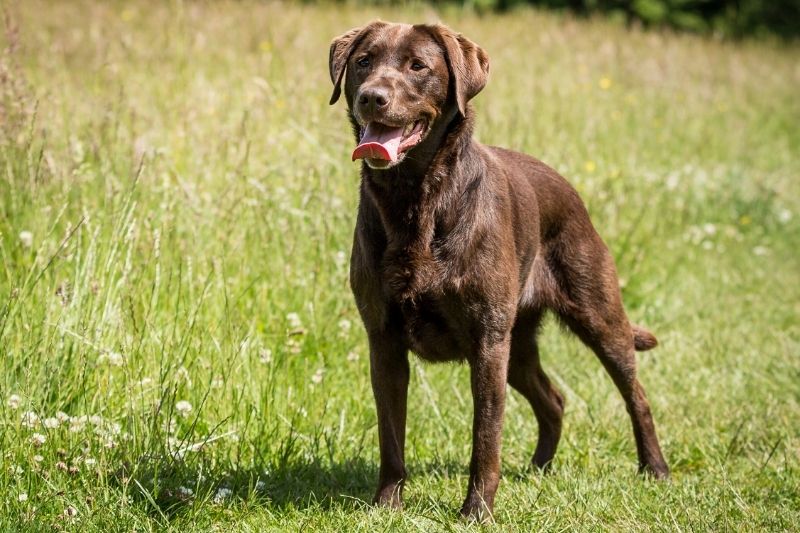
728,17
735,18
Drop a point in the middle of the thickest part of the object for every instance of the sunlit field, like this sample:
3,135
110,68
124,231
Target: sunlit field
179,347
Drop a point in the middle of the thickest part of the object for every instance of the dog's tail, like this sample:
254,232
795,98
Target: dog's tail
643,340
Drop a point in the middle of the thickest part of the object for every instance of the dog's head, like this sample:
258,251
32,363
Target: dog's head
399,80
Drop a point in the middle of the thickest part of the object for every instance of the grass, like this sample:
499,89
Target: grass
176,209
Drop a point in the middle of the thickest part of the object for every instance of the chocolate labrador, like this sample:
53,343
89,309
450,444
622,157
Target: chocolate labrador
459,249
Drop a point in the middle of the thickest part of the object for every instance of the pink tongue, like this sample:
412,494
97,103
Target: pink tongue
379,142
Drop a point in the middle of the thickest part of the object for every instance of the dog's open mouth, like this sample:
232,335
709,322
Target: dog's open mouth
383,145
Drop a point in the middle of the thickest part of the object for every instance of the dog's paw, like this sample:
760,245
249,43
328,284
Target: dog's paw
656,471
389,496
476,510
542,465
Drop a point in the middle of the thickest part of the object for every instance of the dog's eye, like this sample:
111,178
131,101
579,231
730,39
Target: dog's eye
363,62
417,65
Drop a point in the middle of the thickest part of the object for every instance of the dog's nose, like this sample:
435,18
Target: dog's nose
373,99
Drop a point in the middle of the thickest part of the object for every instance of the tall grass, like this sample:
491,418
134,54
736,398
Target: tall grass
179,344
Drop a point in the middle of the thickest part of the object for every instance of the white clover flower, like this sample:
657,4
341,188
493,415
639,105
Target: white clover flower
96,420
90,461
222,494
26,239
62,416
22,497
710,229
294,320
51,423
265,356
30,419
344,326
293,345
784,215
13,401
37,439
184,492
77,423
352,356
317,377
111,358
672,181
70,512
340,258
183,407
761,251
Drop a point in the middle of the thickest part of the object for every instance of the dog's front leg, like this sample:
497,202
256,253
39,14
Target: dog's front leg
489,369
389,372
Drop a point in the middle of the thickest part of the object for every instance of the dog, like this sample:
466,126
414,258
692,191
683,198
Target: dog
459,248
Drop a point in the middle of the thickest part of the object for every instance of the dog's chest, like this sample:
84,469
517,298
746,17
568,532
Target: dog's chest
446,310
438,326
420,286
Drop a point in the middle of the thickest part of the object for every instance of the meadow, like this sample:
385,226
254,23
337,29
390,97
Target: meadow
179,348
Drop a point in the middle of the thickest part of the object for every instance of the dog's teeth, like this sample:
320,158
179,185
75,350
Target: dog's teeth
409,128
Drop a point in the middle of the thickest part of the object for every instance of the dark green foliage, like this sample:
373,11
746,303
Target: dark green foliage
734,18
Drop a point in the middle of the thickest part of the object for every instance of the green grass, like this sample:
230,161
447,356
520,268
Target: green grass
174,187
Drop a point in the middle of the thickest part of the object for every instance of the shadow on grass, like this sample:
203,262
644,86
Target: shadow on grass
170,489
346,484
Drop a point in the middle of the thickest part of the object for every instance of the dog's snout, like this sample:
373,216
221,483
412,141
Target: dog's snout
373,99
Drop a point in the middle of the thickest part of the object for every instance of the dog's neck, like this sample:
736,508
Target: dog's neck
421,182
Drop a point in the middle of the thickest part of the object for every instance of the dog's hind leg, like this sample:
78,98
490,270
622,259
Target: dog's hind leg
526,376
614,347
591,305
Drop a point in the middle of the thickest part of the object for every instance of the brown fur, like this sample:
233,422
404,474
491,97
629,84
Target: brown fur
458,251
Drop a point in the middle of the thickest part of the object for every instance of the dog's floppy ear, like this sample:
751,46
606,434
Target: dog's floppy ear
468,64
341,48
